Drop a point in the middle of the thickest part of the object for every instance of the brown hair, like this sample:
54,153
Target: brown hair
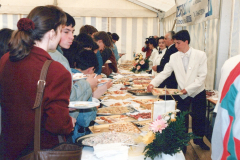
44,18
104,37
88,29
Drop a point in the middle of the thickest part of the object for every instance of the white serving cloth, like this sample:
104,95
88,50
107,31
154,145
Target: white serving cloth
88,154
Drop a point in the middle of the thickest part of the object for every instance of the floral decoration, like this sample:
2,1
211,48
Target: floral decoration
140,63
167,135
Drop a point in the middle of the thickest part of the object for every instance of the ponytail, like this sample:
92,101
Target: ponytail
21,42
39,21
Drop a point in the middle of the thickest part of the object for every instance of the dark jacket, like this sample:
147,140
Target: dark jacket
170,82
106,53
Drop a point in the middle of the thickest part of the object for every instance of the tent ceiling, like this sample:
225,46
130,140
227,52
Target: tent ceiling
78,8
163,5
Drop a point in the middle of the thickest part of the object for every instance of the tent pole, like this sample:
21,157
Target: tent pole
174,24
55,3
174,20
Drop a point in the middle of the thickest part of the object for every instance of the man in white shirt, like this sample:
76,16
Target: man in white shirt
190,68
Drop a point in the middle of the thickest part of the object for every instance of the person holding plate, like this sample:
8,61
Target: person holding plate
190,68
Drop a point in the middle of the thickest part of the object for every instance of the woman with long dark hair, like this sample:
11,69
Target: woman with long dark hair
19,74
105,44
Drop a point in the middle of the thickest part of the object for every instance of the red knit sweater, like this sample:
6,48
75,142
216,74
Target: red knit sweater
18,83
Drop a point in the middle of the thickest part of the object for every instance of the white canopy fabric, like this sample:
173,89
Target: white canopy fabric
91,8
163,5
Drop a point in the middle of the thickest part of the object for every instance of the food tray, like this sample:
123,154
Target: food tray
117,97
143,125
129,108
140,116
139,92
106,138
113,119
116,103
163,91
105,127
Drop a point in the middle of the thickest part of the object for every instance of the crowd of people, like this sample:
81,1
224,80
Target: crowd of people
47,33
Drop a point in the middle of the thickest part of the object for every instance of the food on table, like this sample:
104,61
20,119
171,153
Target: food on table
162,91
125,66
141,115
126,73
78,105
127,83
141,77
108,137
112,119
141,81
147,106
146,103
119,104
138,87
143,125
143,101
124,127
116,92
127,96
121,80
139,92
113,110
125,88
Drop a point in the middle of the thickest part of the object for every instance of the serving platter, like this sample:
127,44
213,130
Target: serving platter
124,127
139,92
113,119
83,104
140,116
106,138
163,91
117,97
115,110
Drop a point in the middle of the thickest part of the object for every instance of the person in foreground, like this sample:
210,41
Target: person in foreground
190,68
82,89
19,74
226,137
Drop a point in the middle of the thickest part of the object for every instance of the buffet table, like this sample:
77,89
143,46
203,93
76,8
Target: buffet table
87,154
135,151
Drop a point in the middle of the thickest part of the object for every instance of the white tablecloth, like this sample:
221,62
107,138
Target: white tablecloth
87,154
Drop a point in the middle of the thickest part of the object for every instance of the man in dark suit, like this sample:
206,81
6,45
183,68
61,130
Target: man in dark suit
170,82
